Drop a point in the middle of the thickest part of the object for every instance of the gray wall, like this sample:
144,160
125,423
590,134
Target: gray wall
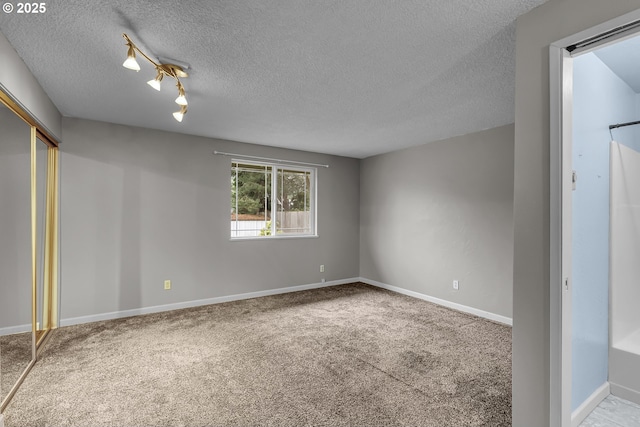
18,82
439,212
140,206
531,338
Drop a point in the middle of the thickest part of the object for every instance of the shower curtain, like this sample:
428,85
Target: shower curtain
624,360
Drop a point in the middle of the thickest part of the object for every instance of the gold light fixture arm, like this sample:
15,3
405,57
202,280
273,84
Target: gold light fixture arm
133,45
171,70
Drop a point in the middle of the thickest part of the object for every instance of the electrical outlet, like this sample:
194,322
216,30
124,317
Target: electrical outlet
456,285
322,268
167,285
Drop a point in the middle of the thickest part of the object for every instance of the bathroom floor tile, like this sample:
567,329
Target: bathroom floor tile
614,412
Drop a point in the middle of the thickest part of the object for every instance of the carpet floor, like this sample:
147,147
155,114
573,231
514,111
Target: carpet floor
15,355
348,355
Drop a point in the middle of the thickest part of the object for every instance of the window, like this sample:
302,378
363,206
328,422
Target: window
269,200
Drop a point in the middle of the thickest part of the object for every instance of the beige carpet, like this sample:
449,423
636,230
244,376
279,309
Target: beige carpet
15,355
350,355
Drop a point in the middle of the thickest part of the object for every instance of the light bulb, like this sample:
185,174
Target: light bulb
179,115
181,99
131,62
155,83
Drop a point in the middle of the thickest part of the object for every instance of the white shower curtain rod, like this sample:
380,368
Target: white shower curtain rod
620,125
291,162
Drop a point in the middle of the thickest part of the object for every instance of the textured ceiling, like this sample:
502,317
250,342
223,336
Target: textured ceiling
347,77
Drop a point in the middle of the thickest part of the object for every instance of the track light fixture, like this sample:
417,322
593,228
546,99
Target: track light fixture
171,70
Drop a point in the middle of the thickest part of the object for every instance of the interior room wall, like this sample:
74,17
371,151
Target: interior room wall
17,80
442,212
600,98
536,30
140,206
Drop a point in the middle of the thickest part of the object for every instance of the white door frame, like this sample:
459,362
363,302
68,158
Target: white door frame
560,215
561,86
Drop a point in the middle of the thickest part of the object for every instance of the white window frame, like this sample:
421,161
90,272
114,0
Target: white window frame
313,199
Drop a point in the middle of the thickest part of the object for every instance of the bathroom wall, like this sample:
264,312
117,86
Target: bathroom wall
601,98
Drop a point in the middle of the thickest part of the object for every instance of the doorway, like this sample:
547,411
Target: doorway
589,94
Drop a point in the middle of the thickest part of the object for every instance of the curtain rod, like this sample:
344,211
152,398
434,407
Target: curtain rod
221,153
619,125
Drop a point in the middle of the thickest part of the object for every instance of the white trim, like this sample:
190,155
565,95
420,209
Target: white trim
10,330
237,297
276,237
591,403
197,303
560,238
1,420
625,393
556,403
269,159
471,310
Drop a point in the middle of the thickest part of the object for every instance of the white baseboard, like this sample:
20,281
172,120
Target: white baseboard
217,300
15,330
1,420
592,402
625,393
477,312
197,303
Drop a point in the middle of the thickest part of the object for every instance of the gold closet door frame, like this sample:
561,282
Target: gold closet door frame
50,277
50,241
50,259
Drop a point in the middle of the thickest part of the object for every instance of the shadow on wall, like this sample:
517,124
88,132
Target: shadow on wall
130,294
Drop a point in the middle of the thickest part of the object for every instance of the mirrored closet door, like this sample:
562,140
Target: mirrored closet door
28,244
16,337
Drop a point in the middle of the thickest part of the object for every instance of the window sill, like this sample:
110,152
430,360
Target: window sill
306,236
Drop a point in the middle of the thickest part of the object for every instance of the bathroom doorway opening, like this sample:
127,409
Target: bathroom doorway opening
591,90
